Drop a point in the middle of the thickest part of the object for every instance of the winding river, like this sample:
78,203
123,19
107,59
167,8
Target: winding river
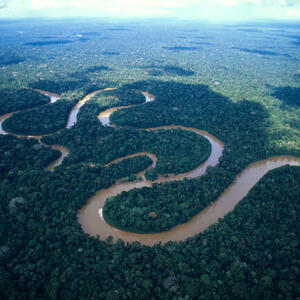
75,110
53,97
92,222
64,151
72,119
91,219
90,216
104,116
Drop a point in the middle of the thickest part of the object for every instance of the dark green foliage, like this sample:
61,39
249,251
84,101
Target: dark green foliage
48,118
151,174
121,96
175,203
132,177
97,69
87,132
23,154
174,70
174,206
178,151
17,99
82,75
288,95
252,253
74,83
59,86
240,125
155,72
40,120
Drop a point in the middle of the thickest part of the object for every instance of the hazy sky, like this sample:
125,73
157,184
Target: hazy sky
213,10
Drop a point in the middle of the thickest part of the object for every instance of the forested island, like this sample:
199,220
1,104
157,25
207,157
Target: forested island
185,122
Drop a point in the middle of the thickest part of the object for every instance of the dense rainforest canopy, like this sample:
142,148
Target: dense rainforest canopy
244,95
16,99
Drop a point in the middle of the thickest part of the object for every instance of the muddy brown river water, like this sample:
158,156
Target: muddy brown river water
91,219
64,151
90,216
92,222
75,110
72,119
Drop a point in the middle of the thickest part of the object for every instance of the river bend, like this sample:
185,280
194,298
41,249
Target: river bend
90,216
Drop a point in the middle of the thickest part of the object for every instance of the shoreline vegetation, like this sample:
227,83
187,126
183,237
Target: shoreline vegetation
114,202
239,82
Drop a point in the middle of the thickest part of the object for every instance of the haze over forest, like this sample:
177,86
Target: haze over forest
214,10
